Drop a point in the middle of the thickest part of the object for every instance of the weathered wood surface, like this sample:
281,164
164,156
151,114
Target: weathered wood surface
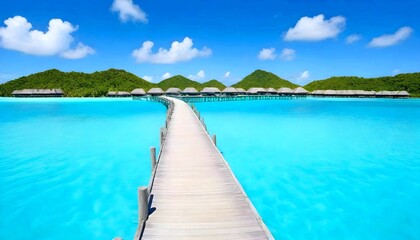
195,195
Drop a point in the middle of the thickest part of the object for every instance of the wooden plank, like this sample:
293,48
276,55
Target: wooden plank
195,194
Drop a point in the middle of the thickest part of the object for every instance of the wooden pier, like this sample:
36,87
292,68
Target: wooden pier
193,99
193,193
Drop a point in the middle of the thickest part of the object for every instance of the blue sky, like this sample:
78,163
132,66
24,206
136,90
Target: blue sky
299,40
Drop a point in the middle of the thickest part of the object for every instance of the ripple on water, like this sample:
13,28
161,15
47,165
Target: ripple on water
325,168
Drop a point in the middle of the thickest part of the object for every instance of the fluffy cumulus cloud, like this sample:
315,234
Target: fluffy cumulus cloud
288,54
166,75
148,78
388,40
80,51
267,54
303,76
179,51
200,75
353,38
316,28
19,36
128,11
227,74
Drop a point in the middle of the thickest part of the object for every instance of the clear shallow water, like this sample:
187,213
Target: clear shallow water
326,168
70,168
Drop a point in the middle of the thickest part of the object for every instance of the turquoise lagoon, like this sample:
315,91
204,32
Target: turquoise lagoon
325,168
314,168
69,168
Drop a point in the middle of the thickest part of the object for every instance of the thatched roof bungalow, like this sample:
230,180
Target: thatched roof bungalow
210,91
190,91
384,94
271,91
138,92
300,91
241,91
231,91
38,93
118,94
155,92
256,91
173,91
285,91
403,94
318,93
330,93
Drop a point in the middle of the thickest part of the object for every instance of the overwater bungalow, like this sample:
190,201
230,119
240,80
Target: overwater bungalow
230,91
173,91
330,93
369,93
271,91
190,91
138,92
300,91
241,91
285,91
256,91
118,94
155,92
403,94
318,93
384,94
38,93
210,91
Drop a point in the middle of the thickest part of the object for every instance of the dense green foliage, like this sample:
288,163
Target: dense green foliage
180,82
409,82
75,84
214,83
263,79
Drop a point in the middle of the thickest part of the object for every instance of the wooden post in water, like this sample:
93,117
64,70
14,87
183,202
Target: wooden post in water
153,158
213,137
161,135
143,204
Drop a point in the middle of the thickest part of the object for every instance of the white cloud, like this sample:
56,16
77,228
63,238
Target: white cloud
80,51
353,38
288,54
149,78
18,36
303,76
227,74
316,28
200,75
166,75
267,54
388,40
179,51
127,11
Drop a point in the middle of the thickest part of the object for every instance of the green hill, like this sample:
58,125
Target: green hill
409,82
263,79
180,82
76,84
214,83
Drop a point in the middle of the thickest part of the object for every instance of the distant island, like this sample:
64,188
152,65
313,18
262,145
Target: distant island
97,84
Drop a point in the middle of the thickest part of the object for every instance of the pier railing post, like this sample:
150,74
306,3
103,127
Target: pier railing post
153,158
161,136
213,138
143,204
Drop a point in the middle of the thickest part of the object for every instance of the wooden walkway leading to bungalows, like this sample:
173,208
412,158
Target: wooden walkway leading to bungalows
194,99
194,194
